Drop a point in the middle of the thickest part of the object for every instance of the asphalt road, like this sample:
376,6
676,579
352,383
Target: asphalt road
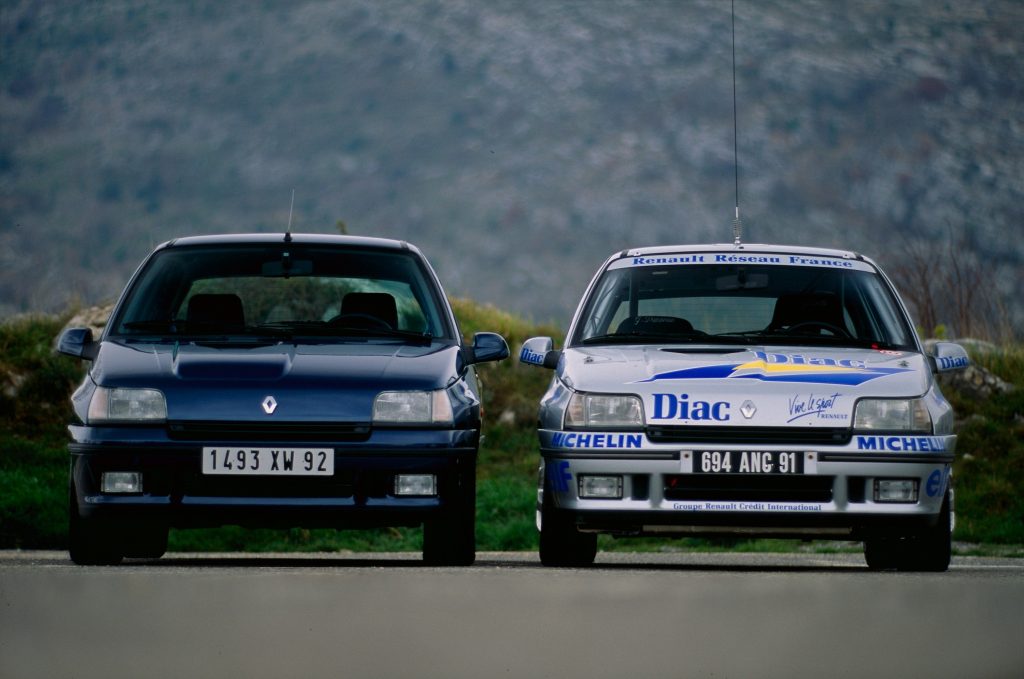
632,615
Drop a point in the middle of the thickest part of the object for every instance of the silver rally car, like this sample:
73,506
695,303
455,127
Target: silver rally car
746,389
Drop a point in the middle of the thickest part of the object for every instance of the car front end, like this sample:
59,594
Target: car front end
258,381
745,391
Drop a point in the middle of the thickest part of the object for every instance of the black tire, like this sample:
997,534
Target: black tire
561,545
928,551
147,540
91,542
450,540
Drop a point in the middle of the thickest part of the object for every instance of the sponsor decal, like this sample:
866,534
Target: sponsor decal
815,406
747,507
934,484
743,258
953,363
676,259
903,444
558,472
578,440
673,407
531,357
795,368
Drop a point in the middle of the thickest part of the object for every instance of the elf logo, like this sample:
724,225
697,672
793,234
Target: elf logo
680,407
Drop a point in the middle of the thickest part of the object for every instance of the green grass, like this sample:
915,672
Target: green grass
34,411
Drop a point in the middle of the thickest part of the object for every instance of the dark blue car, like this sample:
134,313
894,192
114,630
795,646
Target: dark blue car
269,380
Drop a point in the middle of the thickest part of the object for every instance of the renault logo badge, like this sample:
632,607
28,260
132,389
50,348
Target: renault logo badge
269,405
748,409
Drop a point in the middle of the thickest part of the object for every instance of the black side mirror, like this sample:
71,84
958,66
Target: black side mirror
488,346
78,342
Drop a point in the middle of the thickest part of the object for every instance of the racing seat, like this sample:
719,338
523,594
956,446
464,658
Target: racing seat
220,310
378,305
811,309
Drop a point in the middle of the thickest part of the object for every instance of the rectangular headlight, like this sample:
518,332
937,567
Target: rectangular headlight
127,405
892,415
422,485
896,490
604,411
121,482
600,487
413,407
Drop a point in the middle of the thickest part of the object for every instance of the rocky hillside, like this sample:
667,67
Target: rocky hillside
518,143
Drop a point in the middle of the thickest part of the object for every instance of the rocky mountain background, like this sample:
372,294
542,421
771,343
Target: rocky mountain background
517,142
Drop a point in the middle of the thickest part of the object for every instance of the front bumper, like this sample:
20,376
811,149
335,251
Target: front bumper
663,494
359,494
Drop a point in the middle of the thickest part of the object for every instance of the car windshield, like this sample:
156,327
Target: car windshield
837,303
282,291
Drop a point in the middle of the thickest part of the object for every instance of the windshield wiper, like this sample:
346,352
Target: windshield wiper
646,338
308,331
152,326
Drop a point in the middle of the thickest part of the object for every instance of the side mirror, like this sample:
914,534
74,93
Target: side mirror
538,351
78,342
947,356
488,346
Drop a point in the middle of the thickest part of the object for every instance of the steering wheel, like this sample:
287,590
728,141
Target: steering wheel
360,321
823,325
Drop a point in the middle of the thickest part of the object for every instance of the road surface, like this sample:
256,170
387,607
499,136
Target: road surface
632,615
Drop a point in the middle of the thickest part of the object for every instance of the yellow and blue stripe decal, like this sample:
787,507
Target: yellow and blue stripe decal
765,371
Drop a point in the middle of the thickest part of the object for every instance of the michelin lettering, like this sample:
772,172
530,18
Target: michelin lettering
578,440
903,444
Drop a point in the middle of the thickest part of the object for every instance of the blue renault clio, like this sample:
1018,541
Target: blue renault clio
276,380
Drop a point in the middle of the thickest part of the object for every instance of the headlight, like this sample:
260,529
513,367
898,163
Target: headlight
892,415
604,411
127,405
413,407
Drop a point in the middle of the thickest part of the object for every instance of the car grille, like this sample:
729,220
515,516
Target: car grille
748,487
798,436
267,431
342,484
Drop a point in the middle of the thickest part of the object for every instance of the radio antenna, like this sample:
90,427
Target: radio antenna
288,232
737,223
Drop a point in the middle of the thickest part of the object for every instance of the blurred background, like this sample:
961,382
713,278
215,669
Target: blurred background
518,143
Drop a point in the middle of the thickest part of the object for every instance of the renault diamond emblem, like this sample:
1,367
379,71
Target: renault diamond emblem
269,405
748,409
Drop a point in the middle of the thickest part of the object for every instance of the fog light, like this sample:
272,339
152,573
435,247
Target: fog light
896,490
121,482
600,487
416,484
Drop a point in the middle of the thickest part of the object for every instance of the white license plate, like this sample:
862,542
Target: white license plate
269,461
748,462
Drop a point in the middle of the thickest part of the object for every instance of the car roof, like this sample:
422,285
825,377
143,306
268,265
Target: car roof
296,239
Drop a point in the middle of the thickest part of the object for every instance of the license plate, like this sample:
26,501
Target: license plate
269,461
748,462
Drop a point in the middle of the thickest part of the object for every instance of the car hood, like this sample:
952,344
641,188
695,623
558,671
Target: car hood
326,382
757,386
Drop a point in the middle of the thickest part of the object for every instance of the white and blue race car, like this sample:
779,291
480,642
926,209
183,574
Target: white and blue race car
751,390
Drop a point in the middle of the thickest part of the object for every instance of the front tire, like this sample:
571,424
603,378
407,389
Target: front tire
450,540
929,551
561,545
91,541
